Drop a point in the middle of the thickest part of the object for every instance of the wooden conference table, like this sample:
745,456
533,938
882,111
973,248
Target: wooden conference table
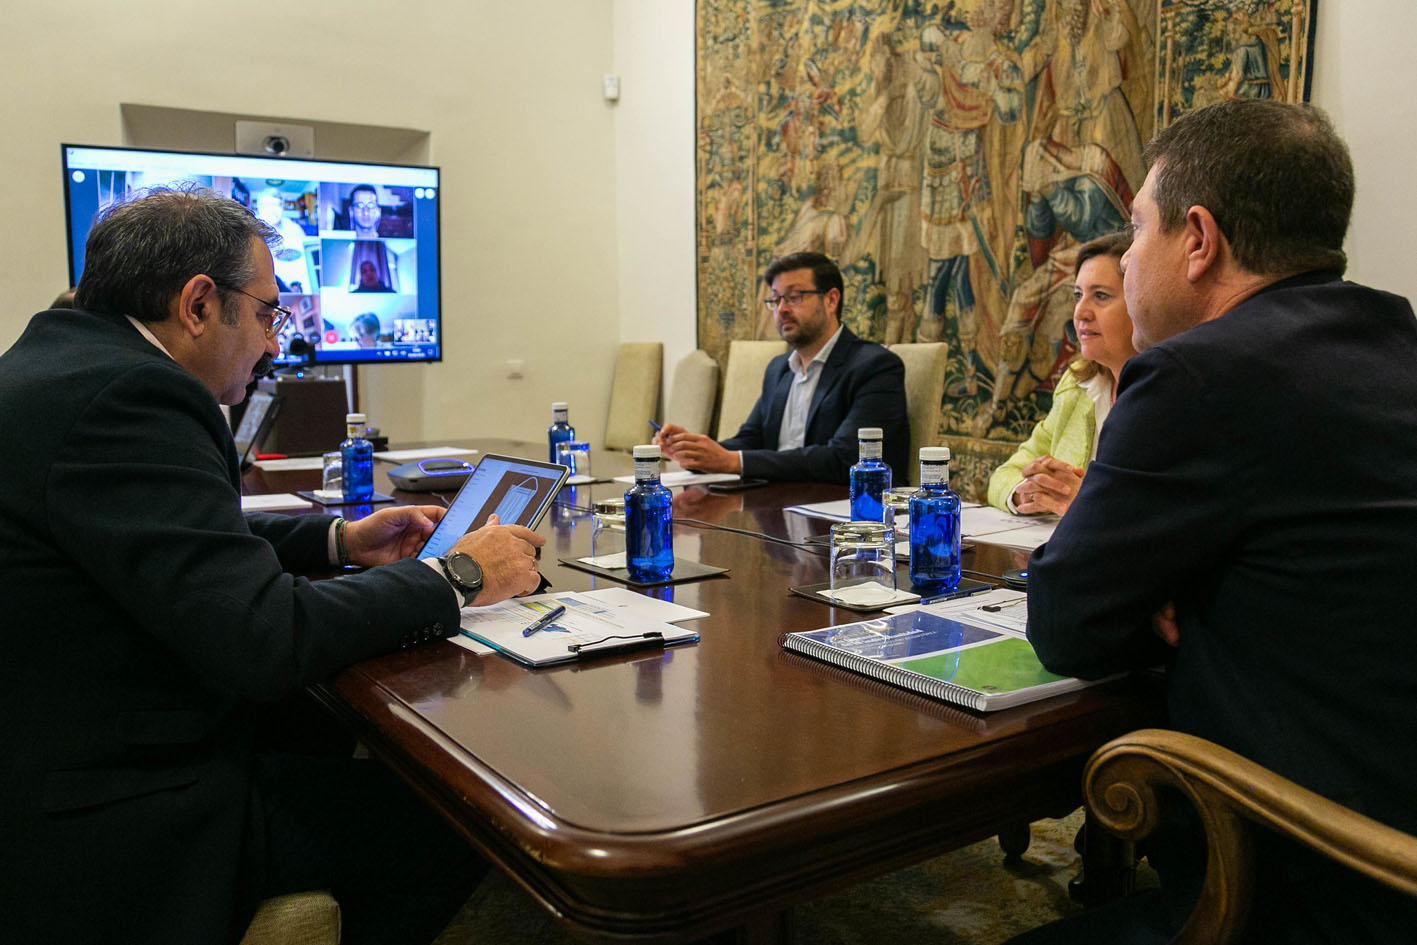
671,795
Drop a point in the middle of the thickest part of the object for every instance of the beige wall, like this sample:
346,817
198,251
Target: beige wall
510,93
1366,78
654,172
569,221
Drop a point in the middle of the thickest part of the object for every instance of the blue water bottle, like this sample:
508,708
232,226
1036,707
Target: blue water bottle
356,460
649,521
560,430
934,525
870,478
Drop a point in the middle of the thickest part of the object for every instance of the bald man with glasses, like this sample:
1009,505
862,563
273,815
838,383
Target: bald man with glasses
814,398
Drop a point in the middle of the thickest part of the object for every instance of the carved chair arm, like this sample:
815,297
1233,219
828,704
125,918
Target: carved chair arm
1230,792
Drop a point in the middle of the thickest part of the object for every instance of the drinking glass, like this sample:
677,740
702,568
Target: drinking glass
575,456
863,562
332,475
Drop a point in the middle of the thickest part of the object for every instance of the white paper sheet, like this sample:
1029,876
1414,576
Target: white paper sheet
687,478
290,465
593,623
427,452
273,502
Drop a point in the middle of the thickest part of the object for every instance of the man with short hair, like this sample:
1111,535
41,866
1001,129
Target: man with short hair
1251,518
364,212
147,618
814,398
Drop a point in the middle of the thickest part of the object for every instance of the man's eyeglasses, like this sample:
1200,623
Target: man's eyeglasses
277,318
793,299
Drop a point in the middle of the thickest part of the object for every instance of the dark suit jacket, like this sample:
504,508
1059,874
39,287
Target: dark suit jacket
862,385
143,616
1260,470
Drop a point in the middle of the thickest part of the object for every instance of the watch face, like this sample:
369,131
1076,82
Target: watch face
467,571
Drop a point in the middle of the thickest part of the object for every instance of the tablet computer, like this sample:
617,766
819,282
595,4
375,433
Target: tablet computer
255,425
517,491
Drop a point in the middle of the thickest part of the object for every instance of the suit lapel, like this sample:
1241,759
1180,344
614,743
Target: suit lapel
779,406
831,371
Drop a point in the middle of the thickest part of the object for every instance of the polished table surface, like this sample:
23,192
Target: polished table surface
669,795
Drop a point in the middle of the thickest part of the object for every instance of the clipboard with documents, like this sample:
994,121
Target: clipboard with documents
590,627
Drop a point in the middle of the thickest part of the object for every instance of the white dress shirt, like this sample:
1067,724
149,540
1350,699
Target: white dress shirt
793,432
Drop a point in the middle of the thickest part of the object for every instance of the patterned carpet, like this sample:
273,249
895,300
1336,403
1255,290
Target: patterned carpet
968,897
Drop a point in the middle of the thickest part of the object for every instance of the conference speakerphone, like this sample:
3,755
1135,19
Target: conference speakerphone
431,475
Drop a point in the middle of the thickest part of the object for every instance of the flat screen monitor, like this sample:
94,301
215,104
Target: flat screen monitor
358,260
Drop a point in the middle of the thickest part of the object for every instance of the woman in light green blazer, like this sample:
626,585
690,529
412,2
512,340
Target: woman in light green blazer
1045,472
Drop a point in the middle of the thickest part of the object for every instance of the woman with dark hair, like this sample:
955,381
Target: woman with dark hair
1045,472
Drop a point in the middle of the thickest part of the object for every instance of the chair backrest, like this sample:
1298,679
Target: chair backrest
924,392
634,394
743,382
1232,793
307,918
694,391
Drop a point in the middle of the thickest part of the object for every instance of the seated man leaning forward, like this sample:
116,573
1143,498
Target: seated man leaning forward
1250,520
815,398
147,618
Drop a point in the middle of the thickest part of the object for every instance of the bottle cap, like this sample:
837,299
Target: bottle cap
647,451
934,454
869,433
355,418
559,405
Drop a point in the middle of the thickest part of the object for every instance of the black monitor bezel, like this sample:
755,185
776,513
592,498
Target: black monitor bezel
321,357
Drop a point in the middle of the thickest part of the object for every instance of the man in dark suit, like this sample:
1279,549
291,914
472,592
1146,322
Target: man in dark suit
814,398
147,618
1251,518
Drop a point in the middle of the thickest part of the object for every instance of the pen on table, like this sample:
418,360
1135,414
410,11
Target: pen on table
544,620
952,595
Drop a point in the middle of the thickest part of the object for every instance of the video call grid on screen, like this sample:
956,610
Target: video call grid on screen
358,262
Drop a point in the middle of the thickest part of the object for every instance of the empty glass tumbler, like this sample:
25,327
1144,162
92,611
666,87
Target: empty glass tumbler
863,563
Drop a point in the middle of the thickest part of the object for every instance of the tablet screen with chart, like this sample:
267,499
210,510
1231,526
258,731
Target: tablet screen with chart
517,491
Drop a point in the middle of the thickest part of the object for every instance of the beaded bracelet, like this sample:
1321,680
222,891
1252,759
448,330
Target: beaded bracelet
341,551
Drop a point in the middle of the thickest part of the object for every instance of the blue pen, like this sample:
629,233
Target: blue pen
952,595
545,619
655,425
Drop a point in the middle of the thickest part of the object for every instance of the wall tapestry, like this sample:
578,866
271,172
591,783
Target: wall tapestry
951,157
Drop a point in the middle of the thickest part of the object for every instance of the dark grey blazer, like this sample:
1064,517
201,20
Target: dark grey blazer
144,614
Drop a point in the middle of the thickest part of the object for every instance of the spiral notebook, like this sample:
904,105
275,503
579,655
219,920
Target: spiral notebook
968,664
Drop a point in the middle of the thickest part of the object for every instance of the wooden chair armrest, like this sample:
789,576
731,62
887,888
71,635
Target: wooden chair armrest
1229,793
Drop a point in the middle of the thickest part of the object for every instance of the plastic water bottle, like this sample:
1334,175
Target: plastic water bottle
357,460
870,478
649,521
560,430
934,525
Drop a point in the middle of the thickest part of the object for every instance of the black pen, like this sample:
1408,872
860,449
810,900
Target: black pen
545,619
